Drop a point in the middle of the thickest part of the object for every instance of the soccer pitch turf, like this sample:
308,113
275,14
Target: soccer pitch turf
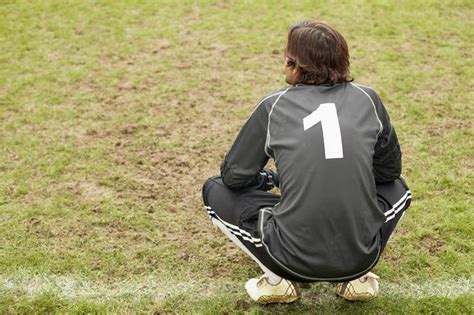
115,112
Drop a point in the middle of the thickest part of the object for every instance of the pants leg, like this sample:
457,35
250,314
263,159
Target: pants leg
236,212
394,199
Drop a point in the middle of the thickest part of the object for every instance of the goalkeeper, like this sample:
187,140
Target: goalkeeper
338,165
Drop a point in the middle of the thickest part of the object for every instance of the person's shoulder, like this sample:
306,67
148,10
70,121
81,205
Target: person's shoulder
271,97
369,91
276,93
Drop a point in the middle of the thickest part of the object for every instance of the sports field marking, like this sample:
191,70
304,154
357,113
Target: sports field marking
77,287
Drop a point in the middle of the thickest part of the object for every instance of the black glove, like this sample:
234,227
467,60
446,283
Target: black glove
269,179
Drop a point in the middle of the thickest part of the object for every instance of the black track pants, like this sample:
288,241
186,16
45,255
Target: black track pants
238,210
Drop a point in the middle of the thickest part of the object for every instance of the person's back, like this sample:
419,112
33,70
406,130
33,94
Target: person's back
338,169
322,139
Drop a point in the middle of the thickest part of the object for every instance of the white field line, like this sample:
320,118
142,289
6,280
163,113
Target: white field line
77,287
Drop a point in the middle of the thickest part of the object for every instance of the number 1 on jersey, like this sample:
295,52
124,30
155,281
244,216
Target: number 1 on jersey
327,115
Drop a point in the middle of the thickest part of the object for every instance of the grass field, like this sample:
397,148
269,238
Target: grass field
113,114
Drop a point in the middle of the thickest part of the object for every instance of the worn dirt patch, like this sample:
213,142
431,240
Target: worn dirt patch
90,191
431,244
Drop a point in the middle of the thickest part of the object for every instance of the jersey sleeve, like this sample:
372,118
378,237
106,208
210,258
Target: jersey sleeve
387,160
245,160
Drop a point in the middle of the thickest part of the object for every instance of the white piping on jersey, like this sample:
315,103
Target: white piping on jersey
267,143
375,110
263,100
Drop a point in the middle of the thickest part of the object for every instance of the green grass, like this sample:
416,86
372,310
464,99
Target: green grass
115,112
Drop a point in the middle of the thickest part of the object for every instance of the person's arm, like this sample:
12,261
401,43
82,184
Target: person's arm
243,164
387,160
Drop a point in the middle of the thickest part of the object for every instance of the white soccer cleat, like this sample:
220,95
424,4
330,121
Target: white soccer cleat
261,291
365,288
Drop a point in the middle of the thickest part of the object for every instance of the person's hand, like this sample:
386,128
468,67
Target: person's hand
270,178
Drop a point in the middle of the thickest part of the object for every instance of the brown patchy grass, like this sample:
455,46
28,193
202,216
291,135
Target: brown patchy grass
114,114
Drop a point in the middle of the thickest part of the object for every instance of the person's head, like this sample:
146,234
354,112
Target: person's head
316,54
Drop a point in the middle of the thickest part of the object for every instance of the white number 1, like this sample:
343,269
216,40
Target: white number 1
327,115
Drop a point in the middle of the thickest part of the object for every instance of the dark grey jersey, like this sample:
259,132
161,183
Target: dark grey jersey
331,144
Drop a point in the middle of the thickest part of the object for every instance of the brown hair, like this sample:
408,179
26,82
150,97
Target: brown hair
319,53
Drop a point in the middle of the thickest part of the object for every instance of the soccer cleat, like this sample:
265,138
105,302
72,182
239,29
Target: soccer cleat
261,291
365,288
